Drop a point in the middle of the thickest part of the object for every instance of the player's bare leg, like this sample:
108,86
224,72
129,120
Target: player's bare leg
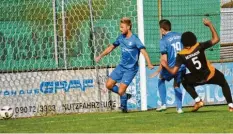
110,83
122,89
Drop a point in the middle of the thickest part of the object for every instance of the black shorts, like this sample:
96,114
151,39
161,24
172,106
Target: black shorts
217,79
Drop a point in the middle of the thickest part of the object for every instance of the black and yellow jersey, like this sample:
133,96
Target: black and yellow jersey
195,60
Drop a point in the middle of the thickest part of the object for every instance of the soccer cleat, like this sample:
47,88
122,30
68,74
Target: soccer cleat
180,111
197,105
124,110
231,109
162,108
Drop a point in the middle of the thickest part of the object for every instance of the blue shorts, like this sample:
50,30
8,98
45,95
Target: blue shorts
123,75
177,77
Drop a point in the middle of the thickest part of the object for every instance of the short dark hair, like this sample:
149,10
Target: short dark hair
188,39
165,24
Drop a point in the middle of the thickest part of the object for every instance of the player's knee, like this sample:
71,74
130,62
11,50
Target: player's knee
109,86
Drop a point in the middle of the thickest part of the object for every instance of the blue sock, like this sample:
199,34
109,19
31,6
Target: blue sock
123,99
115,89
162,91
178,94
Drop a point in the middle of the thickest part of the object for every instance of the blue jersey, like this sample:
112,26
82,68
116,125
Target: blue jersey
170,44
130,50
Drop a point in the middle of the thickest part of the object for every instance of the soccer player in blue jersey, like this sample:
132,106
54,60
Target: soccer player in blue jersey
170,45
131,46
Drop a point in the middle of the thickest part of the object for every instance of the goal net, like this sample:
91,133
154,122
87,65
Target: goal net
47,55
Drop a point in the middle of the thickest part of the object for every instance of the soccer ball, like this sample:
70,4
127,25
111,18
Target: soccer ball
6,112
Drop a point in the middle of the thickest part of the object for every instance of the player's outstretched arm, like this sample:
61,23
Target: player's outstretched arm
145,54
173,70
215,38
105,52
156,72
164,58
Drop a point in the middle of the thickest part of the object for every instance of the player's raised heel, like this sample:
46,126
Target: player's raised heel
162,108
197,105
230,109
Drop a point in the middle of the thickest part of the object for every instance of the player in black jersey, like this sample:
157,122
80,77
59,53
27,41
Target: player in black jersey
201,71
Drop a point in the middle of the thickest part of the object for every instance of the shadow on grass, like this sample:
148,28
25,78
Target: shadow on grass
197,112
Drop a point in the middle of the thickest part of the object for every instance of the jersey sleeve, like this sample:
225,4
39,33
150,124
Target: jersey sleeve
163,47
117,41
139,44
206,44
179,60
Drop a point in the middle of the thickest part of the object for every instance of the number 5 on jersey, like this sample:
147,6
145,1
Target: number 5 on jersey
196,62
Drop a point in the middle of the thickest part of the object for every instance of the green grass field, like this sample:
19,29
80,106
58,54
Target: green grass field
207,119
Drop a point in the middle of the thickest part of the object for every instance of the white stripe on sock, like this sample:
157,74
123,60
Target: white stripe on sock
197,99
